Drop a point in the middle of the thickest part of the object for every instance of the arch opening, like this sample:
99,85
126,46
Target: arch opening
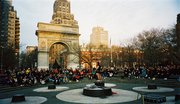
58,55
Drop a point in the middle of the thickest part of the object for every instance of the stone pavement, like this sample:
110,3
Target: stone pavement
52,97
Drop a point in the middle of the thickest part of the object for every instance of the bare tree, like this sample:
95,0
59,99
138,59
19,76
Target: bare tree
150,42
170,45
84,53
159,46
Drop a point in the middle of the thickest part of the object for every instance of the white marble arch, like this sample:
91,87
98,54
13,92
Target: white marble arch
49,34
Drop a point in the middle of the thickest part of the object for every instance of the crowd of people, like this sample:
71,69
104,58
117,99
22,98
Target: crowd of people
29,77
152,72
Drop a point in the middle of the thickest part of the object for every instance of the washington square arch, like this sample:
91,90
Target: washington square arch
58,37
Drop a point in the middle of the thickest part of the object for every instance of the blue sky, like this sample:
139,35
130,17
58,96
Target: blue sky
123,19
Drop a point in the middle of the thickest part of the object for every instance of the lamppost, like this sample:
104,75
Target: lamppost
2,57
121,57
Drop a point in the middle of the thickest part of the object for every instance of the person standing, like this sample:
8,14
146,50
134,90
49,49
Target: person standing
98,71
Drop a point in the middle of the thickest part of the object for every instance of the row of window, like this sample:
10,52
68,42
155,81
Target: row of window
12,15
62,4
64,16
63,10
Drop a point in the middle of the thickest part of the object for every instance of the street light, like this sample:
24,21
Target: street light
121,57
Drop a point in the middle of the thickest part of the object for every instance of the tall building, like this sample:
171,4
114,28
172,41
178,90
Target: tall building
17,36
178,31
9,27
62,14
4,14
99,37
13,29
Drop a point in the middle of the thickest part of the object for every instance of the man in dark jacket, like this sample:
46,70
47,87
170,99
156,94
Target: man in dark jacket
98,71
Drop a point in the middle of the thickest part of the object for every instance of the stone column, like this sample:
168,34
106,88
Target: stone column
43,54
43,60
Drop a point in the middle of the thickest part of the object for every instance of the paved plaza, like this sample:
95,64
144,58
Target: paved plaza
124,92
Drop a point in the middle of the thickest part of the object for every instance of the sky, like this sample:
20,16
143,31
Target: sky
123,19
